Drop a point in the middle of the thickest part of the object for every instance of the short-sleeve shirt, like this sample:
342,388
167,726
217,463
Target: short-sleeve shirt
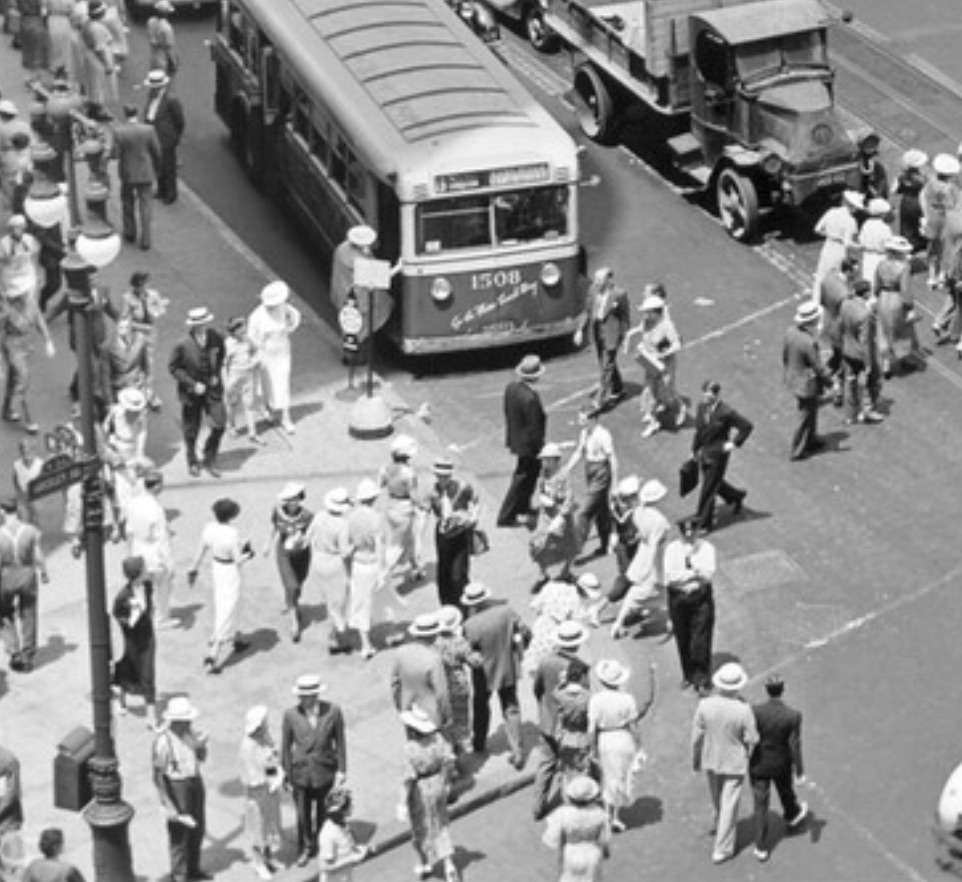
611,709
18,556
176,756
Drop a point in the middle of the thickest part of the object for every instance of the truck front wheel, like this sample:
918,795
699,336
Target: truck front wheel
595,106
737,205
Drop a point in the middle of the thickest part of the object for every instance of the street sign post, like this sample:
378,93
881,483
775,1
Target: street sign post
59,472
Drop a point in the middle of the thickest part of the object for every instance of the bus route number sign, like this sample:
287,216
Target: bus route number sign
351,322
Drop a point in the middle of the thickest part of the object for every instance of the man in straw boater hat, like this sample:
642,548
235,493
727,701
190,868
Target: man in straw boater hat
314,758
179,751
723,736
166,114
525,426
568,637
860,356
805,376
454,504
417,676
196,363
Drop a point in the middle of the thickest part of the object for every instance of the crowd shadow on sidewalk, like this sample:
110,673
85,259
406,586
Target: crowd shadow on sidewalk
53,650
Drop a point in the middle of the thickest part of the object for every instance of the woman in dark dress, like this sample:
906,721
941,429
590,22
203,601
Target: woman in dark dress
292,549
134,612
908,187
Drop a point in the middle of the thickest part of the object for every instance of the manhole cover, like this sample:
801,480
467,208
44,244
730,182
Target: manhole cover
766,569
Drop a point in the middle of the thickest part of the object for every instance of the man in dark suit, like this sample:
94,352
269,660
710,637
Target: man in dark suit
314,759
137,151
196,364
525,423
719,429
607,314
495,632
777,758
166,114
805,376
860,355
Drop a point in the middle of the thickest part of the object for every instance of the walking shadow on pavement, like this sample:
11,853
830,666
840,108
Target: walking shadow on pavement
644,812
253,642
54,649
186,615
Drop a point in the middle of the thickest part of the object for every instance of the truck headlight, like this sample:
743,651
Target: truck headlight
772,165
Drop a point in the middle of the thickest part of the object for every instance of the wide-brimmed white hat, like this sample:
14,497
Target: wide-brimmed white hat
946,164
854,199
898,245
652,491
8,108
156,79
581,790
569,634
914,158
475,593
550,451
652,303
878,207
179,709
628,486
308,684
730,677
807,312
292,490
132,399
589,585
361,236
404,445
450,619
419,720
275,293
443,466
367,490
425,625
254,718
612,672
337,501
530,368
199,315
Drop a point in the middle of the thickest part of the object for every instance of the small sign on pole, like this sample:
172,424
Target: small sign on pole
59,472
372,274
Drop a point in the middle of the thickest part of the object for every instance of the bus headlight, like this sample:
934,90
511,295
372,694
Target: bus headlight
441,290
772,165
550,275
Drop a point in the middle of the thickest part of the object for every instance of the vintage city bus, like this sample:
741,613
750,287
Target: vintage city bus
393,114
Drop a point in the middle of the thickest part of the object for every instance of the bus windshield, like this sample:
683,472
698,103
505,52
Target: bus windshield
492,220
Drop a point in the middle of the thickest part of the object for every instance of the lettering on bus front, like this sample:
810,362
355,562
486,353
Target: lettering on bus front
512,288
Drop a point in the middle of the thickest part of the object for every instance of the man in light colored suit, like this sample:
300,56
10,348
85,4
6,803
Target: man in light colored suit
723,737
607,314
418,674
137,151
805,376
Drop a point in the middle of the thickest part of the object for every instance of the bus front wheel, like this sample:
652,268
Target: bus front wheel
737,205
595,106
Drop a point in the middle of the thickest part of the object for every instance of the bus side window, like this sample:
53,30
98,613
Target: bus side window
321,143
302,118
235,31
340,159
270,83
355,184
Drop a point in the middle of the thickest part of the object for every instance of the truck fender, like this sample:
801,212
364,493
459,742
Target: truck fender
739,157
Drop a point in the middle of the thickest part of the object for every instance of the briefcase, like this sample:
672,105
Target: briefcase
687,477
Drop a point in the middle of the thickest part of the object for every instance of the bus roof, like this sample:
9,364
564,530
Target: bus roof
408,82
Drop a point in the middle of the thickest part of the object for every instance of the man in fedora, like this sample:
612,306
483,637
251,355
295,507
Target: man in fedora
166,114
179,751
314,758
417,676
860,356
690,564
568,637
196,363
137,151
608,316
645,573
777,759
805,376
454,504
525,425
723,737
495,631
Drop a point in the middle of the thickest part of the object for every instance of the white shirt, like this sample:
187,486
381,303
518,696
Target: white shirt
147,532
598,445
686,561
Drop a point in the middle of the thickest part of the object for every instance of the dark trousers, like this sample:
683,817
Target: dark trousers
806,429
510,709
761,791
136,205
624,555
453,567
611,383
546,777
596,509
856,373
52,275
167,174
517,501
185,842
192,414
309,806
693,623
713,484
18,620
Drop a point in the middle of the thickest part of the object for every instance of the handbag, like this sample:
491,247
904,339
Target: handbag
479,542
687,477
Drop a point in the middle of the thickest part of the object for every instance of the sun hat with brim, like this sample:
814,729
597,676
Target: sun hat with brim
652,303
275,293
652,491
419,720
156,79
164,7
443,467
589,585
628,486
569,635
946,164
132,399
404,445
367,490
807,312
730,677
854,199
450,619
914,158
8,108
16,220
361,236
530,368
612,672
292,490
337,501
179,709
199,315
254,718
898,245
550,451
878,207
475,593
425,625
308,684
581,790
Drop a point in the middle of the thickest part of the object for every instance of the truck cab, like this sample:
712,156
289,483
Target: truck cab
764,129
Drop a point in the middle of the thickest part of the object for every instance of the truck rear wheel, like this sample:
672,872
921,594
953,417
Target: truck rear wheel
737,205
595,106
540,36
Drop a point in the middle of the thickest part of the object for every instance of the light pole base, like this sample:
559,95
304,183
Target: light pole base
370,418
109,818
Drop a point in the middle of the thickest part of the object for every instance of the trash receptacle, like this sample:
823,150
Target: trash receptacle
71,775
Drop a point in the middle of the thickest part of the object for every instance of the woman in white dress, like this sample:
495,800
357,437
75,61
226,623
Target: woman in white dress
839,229
330,554
261,775
366,536
270,327
125,437
227,553
402,514
875,232
60,31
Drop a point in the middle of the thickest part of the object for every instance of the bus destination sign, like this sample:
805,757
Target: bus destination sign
461,182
